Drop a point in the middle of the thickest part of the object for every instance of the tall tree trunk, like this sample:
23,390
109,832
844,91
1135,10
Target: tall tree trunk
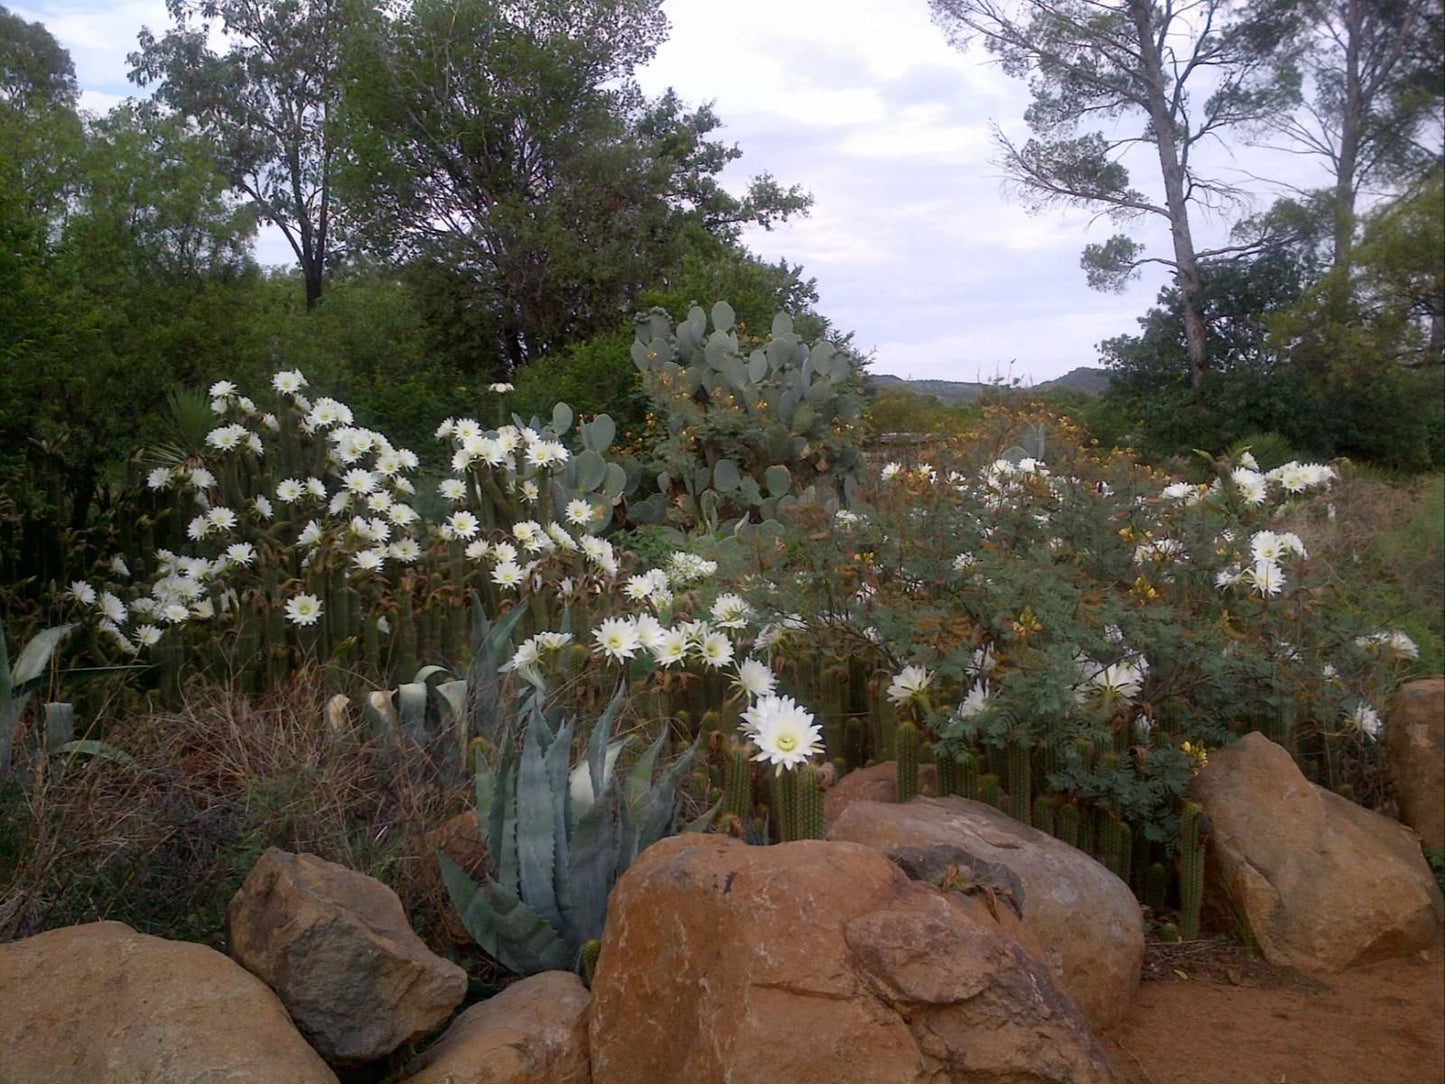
1161,120
1351,124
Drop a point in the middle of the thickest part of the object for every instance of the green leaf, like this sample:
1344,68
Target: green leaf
779,480
505,927
782,325
599,433
411,698
561,419
536,824
59,724
723,316
35,656
591,469
104,750
725,475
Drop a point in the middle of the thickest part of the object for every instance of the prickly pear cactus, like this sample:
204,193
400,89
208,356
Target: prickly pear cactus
749,425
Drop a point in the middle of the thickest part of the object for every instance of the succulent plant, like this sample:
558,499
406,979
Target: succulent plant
559,838
746,432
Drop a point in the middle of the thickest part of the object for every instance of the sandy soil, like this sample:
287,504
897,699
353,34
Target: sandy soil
1206,1014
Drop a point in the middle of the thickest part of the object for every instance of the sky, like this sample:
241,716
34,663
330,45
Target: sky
915,244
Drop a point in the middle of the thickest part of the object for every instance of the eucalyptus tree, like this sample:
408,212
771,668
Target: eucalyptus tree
1106,76
1375,79
267,102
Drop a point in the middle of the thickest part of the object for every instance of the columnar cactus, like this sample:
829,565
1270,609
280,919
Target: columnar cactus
1191,869
907,742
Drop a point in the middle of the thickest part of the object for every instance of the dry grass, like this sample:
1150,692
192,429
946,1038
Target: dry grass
164,846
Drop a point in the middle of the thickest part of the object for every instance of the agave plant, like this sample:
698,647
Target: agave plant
559,837
19,681
31,670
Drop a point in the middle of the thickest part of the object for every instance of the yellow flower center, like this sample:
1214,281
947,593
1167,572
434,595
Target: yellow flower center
787,742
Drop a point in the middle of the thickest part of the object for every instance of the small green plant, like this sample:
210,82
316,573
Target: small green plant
559,838
1191,869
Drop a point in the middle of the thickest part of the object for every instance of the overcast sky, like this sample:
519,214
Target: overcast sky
914,243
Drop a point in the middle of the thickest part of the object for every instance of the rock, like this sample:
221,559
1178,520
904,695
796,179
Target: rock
102,1002
1318,882
533,1032
876,784
1415,748
336,947
1088,923
817,963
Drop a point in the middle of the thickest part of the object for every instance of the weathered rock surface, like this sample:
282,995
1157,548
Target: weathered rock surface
1415,747
101,1002
336,947
1088,923
1319,882
533,1032
876,784
817,963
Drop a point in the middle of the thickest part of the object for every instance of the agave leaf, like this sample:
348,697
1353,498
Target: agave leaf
637,789
591,869
504,811
59,724
411,701
381,713
427,672
580,789
559,756
105,751
451,698
484,782
661,813
504,926
597,745
537,825
704,822
35,656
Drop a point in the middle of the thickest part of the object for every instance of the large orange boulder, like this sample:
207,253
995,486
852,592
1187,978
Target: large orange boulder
336,947
533,1032
817,963
1415,748
101,1002
1088,923
1319,882
876,784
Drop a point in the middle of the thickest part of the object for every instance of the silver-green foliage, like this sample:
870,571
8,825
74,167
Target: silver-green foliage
558,837
746,432
18,682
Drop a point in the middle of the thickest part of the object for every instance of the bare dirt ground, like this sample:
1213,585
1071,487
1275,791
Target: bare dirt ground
1207,1014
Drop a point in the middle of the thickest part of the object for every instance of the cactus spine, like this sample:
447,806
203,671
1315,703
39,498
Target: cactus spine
968,776
739,788
988,789
1044,813
785,805
810,803
1191,870
1020,781
906,740
950,775
1067,823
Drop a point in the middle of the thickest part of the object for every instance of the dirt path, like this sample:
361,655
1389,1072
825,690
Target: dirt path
1236,1021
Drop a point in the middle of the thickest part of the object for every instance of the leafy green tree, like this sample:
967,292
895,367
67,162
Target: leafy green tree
507,150
34,68
1094,62
1245,390
133,291
267,103
1377,76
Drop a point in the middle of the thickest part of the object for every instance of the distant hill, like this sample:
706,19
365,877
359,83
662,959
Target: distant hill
1086,380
